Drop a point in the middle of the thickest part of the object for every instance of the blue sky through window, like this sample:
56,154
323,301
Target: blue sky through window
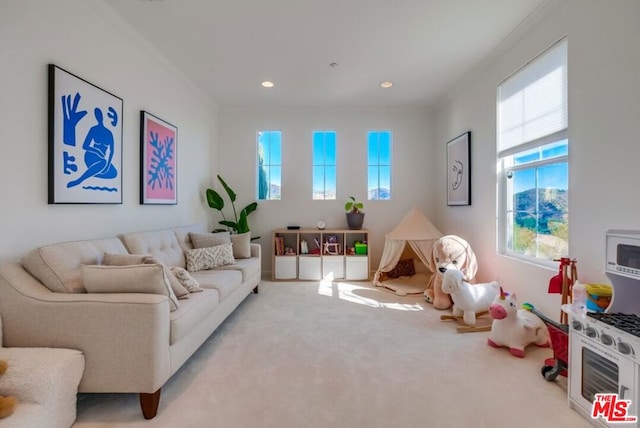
550,176
270,169
379,165
324,165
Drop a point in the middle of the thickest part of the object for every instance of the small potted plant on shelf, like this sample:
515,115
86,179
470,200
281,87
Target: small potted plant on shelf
355,216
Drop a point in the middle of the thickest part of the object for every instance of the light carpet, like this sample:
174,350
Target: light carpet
335,354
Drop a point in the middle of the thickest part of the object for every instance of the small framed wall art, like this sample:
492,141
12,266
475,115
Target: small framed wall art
158,161
85,141
459,170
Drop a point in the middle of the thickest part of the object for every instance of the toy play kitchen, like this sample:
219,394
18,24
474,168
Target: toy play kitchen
605,345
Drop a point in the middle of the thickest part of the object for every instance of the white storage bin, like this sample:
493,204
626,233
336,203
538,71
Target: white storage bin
309,267
285,267
357,268
333,265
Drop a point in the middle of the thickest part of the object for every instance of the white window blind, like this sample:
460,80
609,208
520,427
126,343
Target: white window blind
532,103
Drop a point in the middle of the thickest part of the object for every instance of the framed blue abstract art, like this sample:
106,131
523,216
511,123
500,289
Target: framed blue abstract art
158,161
85,141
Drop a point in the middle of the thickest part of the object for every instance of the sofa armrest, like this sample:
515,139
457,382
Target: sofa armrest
124,337
256,250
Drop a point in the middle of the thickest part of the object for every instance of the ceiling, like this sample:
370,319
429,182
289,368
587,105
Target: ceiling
227,47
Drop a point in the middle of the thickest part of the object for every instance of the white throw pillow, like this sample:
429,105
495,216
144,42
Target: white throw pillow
180,291
210,257
204,240
110,259
146,278
113,259
241,245
186,279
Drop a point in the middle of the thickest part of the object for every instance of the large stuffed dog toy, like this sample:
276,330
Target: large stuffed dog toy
448,252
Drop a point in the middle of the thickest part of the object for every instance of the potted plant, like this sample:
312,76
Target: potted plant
355,216
240,224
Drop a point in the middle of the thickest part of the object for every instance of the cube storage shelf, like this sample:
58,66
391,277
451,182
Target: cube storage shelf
313,254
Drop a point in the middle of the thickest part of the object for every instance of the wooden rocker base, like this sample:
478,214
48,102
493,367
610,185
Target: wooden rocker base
468,328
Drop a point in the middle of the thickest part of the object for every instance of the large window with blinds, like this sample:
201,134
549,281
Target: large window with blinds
533,161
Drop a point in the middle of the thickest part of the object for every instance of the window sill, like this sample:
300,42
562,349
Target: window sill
541,263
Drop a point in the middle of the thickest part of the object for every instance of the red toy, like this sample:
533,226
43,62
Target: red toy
559,334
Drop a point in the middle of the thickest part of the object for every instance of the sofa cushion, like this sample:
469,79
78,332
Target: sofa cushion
248,267
241,245
111,259
191,313
182,234
208,258
57,266
241,242
204,240
179,290
186,279
138,259
161,244
147,278
225,281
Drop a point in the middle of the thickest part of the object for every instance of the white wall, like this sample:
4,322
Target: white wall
83,38
412,172
604,109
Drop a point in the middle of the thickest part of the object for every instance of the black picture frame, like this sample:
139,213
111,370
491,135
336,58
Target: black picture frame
158,161
85,141
459,170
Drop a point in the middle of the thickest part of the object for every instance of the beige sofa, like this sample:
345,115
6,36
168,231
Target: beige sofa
132,342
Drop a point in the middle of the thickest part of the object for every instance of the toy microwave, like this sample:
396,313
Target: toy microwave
623,253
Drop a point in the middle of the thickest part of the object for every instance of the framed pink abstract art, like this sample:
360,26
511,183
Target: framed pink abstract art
158,161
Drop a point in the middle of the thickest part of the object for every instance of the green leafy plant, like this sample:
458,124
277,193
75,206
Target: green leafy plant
241,222
353,206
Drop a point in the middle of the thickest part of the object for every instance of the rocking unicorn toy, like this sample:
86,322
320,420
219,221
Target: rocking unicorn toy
515,328
469,301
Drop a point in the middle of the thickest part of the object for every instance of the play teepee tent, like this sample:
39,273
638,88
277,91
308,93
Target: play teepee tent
416,232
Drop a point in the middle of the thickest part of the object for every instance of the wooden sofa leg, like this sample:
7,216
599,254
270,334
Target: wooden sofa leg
255,290
149,404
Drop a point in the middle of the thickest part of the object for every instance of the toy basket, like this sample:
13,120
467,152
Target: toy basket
361,248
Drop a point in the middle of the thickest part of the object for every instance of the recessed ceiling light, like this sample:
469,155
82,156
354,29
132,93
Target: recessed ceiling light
267,84
386,84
